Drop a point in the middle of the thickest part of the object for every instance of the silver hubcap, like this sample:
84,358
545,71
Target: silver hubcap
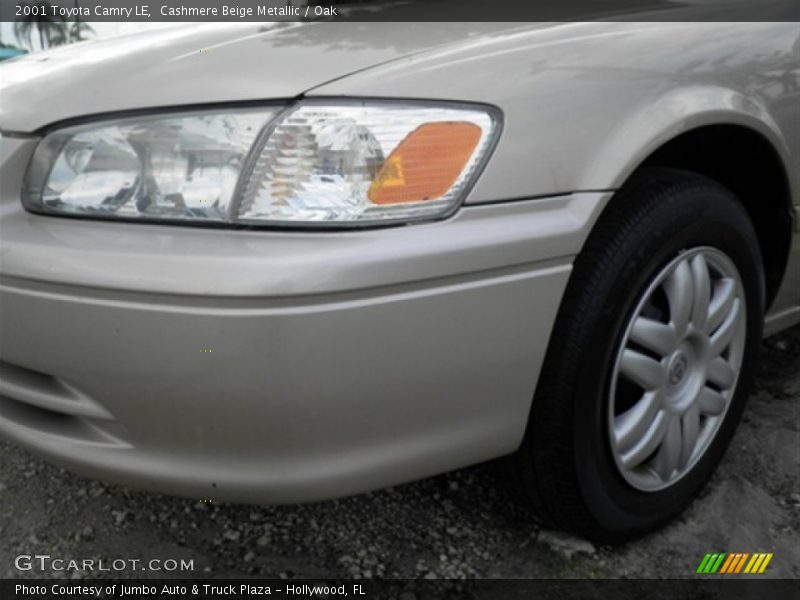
677,368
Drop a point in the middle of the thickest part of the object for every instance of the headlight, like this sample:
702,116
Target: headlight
316,164
182,166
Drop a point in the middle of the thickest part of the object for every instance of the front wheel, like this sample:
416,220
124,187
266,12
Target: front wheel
650,360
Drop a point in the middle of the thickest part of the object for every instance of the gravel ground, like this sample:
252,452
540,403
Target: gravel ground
460,525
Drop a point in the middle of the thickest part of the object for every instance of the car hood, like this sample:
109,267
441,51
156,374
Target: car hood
208,63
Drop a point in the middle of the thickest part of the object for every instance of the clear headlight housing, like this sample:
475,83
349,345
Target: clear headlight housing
312,164
180,166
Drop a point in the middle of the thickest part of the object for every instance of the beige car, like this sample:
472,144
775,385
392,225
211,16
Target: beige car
282,263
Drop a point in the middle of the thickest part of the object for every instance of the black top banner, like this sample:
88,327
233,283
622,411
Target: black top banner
401,10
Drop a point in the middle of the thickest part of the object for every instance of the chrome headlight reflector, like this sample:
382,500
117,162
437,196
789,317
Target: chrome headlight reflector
313,164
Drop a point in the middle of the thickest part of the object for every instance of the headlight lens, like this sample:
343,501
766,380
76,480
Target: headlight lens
362,164
169,167
315,165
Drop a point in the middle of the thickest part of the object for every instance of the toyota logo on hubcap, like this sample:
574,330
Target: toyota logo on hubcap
678,370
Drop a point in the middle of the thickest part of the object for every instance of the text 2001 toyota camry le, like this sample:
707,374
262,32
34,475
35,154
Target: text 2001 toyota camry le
288,263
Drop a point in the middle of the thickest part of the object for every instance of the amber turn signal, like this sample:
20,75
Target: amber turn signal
426,164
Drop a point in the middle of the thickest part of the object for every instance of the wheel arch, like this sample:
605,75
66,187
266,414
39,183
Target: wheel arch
727,137
729,154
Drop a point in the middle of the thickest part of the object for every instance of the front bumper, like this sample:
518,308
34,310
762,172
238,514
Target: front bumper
278,367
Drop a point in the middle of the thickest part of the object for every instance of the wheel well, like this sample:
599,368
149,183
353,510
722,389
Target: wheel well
747,164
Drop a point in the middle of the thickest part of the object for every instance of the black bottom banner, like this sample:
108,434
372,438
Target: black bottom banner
400,589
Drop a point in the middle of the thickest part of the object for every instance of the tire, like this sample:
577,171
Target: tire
573,467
